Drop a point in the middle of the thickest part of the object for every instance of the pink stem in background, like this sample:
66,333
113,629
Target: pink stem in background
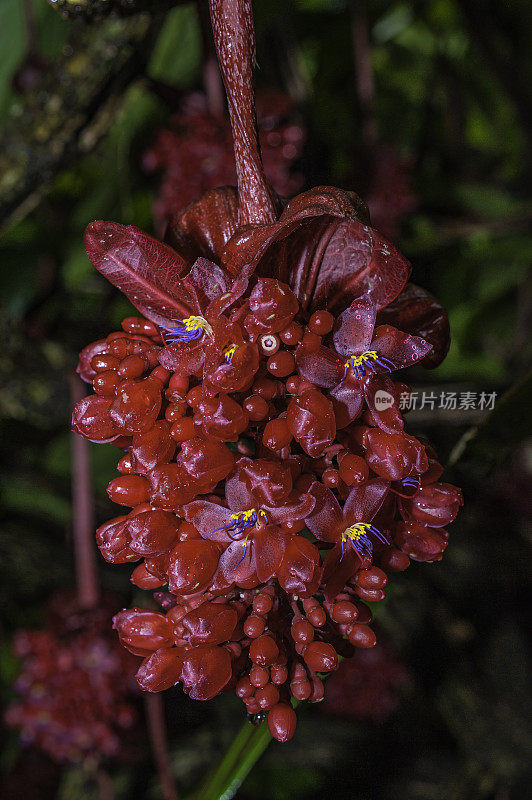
83,511
31,27
159,745
365,83
234,37
212,80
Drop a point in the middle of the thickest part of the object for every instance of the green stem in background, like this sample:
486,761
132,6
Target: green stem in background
248,746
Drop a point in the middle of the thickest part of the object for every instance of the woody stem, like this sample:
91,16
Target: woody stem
234,37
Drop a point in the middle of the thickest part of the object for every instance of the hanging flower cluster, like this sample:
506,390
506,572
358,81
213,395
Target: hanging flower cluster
268,481
196,152
74,689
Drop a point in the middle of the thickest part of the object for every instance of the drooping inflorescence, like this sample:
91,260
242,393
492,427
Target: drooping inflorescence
268,487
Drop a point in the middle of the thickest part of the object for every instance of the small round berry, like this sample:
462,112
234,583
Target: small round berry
353,469
281,364
373,578
362,636
132,367
394,560
194,395
257,407
344,612
183,429
276,434
302,631
267,696
179,383
321,322
265,387
292,334
300,689
124,466
101,362
292,384
259,676
262,604
244,688
263,651
129,490
331,478
138,325
279,674
105,383
321,657
318,690
176,411
282,722
254,626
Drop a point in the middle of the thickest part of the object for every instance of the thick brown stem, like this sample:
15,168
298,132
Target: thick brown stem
159,745
83,512
234,37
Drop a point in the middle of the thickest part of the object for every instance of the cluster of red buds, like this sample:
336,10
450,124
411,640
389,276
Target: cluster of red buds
271,481
74,686
195,153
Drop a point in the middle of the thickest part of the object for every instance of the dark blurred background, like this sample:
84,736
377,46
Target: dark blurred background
421,106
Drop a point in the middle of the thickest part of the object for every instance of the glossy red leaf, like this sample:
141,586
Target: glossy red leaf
147,271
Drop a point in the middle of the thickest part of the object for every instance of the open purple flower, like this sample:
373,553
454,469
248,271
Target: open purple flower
357,368
249,526
350,529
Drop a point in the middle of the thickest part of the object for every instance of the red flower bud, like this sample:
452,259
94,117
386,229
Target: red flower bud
300,569
263,651
192,566
171,486
419,542
113,540
282,722
142,632
161,670
153,532
321,657
435,505
222,418
206,461
273,306
311,421
210,623
137,404
91,419
394,455
129,490
205,672
152,447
